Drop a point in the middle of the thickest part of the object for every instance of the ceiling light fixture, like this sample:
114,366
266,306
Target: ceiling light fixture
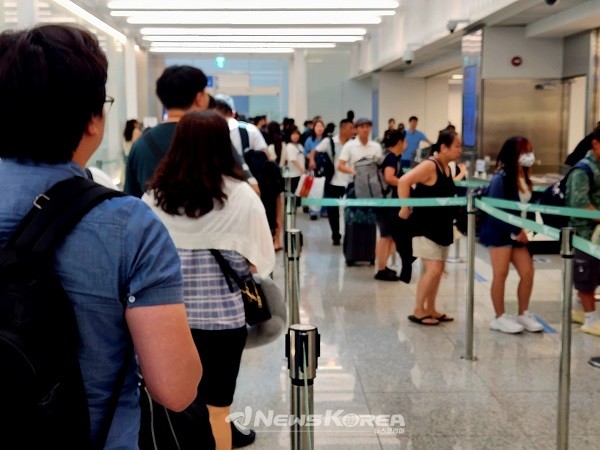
255,31
219,50
91,19
252,38
247,44
254,5
253,17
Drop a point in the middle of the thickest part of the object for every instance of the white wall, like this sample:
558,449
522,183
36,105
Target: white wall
576,131
436,107
400,98
542,58
455,104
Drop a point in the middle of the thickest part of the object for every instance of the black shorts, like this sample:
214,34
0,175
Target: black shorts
220,352
386,219
586,272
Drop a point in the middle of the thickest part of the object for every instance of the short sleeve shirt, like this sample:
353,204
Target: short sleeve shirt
339,178
293,152
354,150
579,194
118,254
391,160
413,139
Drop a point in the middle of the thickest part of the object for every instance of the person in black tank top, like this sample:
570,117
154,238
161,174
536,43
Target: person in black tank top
432,226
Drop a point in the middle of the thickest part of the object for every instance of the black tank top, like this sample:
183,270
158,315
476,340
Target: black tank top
435,223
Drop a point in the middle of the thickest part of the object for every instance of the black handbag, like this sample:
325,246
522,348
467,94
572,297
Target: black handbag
255,301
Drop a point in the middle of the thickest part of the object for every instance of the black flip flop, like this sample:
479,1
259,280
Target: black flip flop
443,318
419,320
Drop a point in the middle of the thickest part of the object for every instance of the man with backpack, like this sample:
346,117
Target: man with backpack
337,183
115,278
181,89
582,193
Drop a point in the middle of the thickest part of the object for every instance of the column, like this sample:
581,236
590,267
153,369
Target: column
131,90
27,13
298,96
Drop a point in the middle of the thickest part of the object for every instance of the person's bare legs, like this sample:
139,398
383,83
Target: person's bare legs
500,258
433,290
382,251
221,429
427,287
522,261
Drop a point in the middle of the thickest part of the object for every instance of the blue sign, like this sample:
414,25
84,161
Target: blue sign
209,81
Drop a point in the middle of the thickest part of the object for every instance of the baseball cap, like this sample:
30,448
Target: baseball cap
362,121
227,99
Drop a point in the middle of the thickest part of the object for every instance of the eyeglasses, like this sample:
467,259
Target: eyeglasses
108,104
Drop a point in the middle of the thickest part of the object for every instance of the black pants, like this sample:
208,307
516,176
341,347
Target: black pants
333,212
402,234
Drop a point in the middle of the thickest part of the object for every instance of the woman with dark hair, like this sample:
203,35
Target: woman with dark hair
199,193
507,243
432,227
131,133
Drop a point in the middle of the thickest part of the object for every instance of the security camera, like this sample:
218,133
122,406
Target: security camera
451,25
408,56
551,2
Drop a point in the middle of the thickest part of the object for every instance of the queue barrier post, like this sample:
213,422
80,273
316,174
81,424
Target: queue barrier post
469,353
567,253
293,248
302,351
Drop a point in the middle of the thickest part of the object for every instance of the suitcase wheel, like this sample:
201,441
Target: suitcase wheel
372,262
349,263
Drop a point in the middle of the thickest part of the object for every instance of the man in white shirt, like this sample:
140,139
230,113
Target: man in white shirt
336,188
226,106
361,147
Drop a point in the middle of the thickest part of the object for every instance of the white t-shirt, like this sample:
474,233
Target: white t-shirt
257,141
293,152
354,150
339,178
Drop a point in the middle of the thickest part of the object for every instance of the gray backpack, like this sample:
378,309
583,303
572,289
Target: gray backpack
369,181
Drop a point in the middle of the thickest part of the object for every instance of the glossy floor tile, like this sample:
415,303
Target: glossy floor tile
386,383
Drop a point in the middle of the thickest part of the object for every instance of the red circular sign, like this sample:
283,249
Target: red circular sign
516,61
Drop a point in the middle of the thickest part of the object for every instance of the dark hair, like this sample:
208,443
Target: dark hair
274,134
130,125
401,126
393,137
350,115
596,133
329,129
60,69
446,138
178,86
189,179
508,161
212,103
307,123
391,120
413,118
223,107
344,122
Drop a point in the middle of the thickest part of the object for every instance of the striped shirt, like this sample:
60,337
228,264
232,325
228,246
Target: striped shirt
208,302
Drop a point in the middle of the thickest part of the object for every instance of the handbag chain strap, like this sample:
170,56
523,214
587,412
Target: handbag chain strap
229,272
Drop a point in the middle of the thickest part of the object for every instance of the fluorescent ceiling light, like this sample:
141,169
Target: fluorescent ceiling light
253,5
219,50
247,44
253,38
253,17
58,20
255,31
457,77
91,19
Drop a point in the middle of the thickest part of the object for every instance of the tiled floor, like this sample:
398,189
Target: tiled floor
375,362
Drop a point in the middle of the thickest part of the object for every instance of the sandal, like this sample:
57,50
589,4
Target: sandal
443,318
420,320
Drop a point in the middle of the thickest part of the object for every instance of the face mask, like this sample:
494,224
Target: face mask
527,159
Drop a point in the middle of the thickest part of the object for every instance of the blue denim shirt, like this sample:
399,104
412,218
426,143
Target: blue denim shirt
120,253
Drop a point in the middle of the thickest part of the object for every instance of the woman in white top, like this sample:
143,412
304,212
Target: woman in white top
199,193
292,157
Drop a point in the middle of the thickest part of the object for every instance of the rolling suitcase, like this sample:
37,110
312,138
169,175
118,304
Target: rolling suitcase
360,236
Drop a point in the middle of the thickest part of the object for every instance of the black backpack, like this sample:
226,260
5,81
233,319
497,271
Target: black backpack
43,399
324,163
255,159
555,195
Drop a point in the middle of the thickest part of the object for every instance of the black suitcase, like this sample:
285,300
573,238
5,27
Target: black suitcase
359,242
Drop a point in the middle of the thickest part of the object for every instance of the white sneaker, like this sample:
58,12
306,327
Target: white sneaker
529,322
506,325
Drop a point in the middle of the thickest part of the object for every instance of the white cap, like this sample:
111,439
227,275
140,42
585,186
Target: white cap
227,99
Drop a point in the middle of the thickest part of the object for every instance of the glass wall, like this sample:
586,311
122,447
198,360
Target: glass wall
14,14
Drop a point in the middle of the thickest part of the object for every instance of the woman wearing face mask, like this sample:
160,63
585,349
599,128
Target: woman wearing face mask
507,243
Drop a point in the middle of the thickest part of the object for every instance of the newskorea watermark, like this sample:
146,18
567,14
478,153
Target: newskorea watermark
379,424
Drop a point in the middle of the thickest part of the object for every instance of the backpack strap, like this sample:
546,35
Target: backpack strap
332,148
244,137
56,212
